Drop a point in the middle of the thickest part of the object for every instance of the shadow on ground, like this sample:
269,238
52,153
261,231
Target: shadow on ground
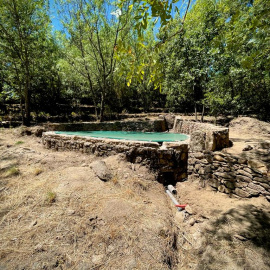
238,239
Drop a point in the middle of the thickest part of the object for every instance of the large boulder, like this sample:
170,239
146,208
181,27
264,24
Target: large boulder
101,170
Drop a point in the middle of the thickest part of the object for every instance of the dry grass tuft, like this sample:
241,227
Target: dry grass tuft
37,171
115,180
12,171
50,197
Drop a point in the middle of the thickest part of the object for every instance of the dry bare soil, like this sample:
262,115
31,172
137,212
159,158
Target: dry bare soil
55,213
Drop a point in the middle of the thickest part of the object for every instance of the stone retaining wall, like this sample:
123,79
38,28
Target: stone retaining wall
203,136
169,162
158,125
231,174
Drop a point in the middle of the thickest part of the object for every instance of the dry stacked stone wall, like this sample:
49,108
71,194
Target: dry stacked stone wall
203,136
170,162
158,125
237,175
244,175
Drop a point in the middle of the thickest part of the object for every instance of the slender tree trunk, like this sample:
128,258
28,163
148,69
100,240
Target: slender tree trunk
202,113
102,105
27,108
22,111
27,92
195,109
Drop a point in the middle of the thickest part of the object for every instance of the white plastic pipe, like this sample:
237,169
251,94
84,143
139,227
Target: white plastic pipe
172,189
173,200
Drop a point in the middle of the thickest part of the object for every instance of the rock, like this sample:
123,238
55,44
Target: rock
197,166
241,178
198,155
213,183
247,169
97,259
247,148
241,193
197,141
189,210
252,192
242,172
225,175
192,221
223,189
256,187
70,212
229,184
38,131
204,161
219,158
101,170
169,120
179,217
258,166
39,248
110,248
242,161
240,237
241,184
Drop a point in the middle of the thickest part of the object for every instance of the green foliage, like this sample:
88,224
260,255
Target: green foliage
214,56
19,142
26,49
221,59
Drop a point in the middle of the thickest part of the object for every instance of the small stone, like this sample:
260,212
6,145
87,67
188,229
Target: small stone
219,158
258,166
241,184
198,155
242,172
97,259
223,189
70,212
242,161
39,248
252,192
213,183
229,184
241,193
110,248
247,147
258,188
225,175
241,178
179,217
192,221
247,169
189,210
240,237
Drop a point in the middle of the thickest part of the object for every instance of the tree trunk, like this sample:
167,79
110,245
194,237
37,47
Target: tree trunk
27,100
202,113
22,111
102,104
195,109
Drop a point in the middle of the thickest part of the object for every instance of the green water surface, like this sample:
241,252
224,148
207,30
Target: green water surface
130,135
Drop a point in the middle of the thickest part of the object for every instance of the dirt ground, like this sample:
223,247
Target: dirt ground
55,213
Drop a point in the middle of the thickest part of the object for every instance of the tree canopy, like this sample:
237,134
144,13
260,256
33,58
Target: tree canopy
129,56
